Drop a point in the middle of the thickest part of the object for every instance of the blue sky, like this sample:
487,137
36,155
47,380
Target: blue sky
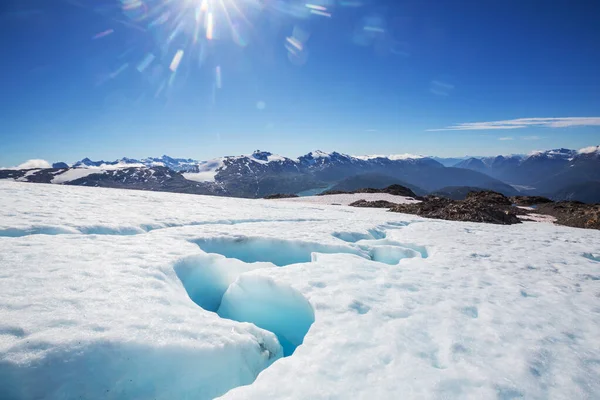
103,78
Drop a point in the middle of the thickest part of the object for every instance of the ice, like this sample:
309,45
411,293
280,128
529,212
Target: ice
391,254
108,293
206,278
276,251
271,306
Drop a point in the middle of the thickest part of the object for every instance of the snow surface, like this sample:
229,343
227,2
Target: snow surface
345,199
109,293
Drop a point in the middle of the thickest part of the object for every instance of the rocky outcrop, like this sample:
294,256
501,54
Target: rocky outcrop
486,207
573,213
373,204
280,196
488,197
528,201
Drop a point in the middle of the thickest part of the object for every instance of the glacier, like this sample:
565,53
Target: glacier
123,294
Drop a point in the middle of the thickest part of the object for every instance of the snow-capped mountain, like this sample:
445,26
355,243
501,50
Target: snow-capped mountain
263,173
546,171
176,164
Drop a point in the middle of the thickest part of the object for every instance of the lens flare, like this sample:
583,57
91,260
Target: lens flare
175,37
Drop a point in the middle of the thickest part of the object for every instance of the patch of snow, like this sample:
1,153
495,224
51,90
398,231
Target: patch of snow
207,171
526,208
320,154
27,174
346,199
74,173
536,217
119,165
275,158
393,157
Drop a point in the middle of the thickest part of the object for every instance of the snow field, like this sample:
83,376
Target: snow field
121,294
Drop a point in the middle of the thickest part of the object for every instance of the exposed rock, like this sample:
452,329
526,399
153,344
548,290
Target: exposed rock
528,201
280,196
373,204
489,207
573,213
488,197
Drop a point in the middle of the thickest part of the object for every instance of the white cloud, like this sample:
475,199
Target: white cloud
505,138
591,149
523,123
30,164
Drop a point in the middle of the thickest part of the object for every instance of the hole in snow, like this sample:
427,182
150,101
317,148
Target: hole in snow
205,281
593,257
390,254
217,285
111,230
37,230
269,305
276,251
353,237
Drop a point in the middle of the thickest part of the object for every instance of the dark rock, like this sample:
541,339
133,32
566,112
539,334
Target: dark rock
573,213
456,192
489,207
280,196
488,197
528,201
373,204
60,165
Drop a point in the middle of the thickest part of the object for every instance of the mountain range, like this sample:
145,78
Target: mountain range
559,173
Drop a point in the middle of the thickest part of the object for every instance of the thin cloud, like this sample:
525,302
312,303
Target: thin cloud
523,123
506,138
440,88
531,137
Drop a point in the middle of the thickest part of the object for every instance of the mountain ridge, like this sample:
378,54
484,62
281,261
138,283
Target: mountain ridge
263,173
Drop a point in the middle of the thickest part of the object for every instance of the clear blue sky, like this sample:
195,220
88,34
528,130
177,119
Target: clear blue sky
357,76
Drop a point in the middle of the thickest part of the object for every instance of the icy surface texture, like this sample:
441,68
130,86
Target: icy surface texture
125,294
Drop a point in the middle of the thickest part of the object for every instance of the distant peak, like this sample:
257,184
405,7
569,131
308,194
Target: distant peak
261,155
